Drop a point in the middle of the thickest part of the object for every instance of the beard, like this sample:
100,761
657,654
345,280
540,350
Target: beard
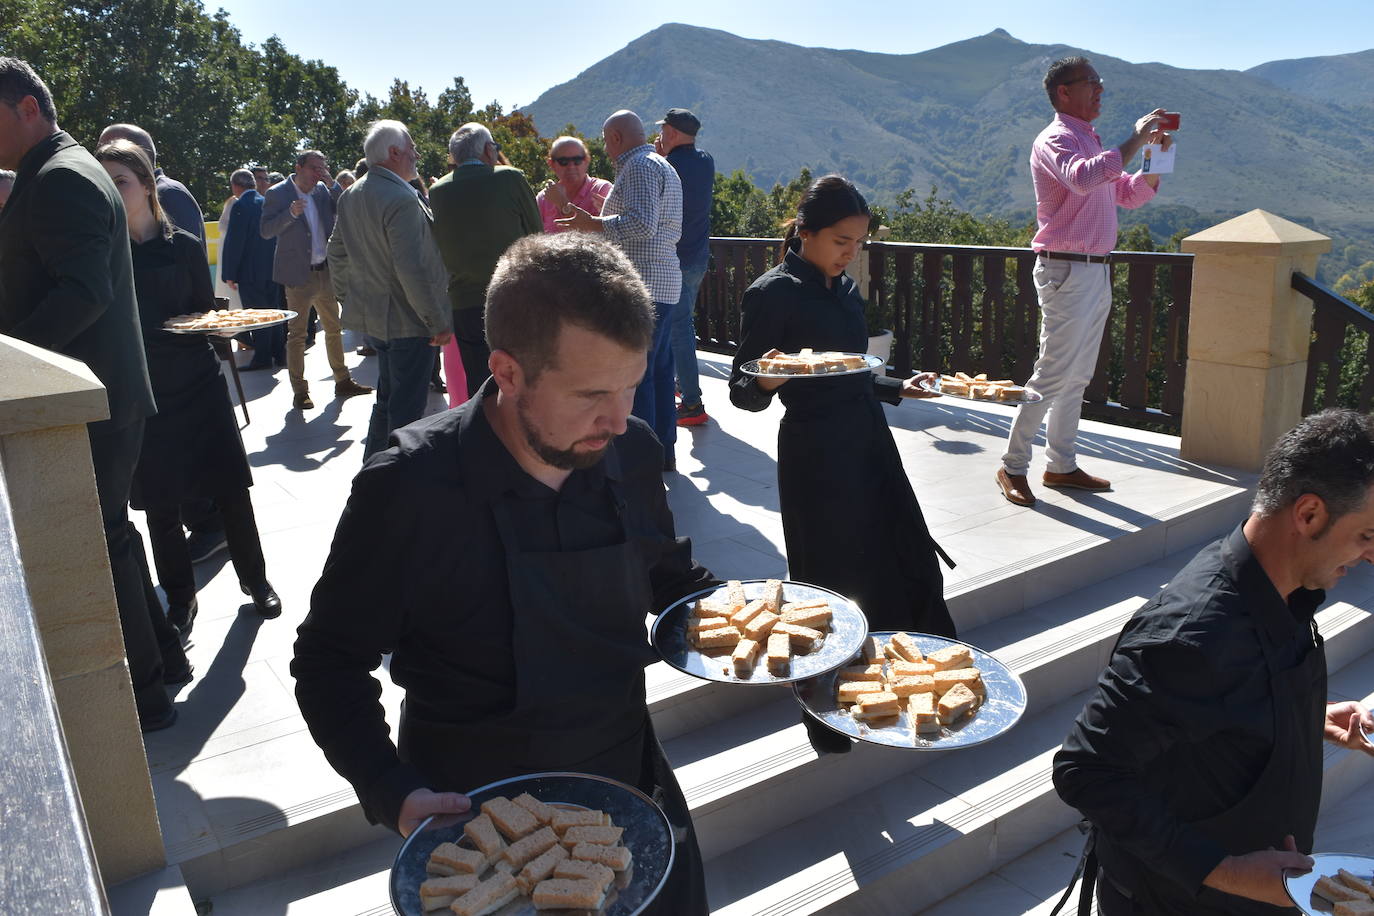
565,459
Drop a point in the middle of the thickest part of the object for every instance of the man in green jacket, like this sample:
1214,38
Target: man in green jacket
388,276
480,208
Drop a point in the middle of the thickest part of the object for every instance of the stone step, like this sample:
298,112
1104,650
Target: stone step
159,893
914,840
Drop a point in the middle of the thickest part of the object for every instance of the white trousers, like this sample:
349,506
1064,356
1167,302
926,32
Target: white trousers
1075,300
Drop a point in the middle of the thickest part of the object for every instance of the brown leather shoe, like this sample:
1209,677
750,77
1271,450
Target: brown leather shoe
1078,479
349,388
1015,487
302,401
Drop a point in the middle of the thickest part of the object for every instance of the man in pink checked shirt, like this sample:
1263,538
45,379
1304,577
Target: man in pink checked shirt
573,188
1078,186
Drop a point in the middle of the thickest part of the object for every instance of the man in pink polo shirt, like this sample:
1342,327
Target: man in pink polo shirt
1078,187
573,188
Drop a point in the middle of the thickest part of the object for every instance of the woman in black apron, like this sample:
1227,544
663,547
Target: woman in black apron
191,448
590,718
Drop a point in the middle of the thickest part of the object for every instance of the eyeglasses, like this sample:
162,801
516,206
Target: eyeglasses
570,160
1095,80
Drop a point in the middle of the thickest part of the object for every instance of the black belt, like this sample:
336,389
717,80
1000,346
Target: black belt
1075,256
320,266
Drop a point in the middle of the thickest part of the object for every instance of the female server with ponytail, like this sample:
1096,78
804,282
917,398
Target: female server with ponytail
850,517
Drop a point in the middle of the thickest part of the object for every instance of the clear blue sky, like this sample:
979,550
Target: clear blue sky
511,52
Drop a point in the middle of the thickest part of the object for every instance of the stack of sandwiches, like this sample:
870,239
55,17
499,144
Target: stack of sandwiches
1351,894
763,630
981,387
809,362
559,858
933,691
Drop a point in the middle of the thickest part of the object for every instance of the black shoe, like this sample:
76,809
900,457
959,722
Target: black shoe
183,617
175,677
203,545
159,722
264,599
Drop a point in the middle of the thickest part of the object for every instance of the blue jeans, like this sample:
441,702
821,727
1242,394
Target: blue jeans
685,334
654,396
403,369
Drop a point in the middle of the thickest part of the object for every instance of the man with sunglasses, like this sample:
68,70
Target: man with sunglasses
572,186
1078,186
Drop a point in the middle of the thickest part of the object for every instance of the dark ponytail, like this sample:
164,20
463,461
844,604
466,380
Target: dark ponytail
828,200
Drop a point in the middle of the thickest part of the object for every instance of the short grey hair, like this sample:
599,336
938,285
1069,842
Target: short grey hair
1329,454
381,137
242,178
469,142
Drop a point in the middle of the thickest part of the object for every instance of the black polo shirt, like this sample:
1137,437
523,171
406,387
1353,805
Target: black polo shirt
417,569
1182,721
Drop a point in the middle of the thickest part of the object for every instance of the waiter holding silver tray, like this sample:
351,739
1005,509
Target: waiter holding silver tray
506,554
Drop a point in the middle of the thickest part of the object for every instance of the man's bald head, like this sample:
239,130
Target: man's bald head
134,134
622,131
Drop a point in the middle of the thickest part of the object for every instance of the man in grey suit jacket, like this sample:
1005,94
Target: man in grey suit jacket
299,214
389,276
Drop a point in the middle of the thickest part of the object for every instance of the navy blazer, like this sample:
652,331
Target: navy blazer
245,256
291,266
66,277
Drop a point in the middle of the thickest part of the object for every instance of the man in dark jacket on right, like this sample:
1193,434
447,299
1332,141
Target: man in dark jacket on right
68,287
1198,759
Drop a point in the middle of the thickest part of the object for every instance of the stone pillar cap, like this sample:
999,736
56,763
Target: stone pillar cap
44,389
1257,232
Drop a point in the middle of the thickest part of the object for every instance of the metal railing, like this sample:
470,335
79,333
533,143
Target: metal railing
46,860
1340,364
974,308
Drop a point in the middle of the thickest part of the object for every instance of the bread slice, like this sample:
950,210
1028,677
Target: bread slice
1011,393
586,871
512,820
816,617
714,607
971,678
950,657
522,851
779,653
873,650
616,858
1355,907
882,703
697,624
564,819
437,893
908,686
910,669
746,650
542,813
862,673
482,832
901,647
601,836
852,691
921,709
734,595
747,613
1335,891
772,595
760,626
804,639
956,704
566,894
487,897
1355,882
540,867
720,638
452,859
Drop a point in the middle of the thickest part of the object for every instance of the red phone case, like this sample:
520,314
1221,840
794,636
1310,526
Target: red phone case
1169,121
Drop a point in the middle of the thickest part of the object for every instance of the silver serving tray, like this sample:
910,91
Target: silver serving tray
848,627
286,315
1030,397
1299,887
648,836
1003,707
870,363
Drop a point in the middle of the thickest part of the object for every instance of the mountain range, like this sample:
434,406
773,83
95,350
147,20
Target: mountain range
1295,137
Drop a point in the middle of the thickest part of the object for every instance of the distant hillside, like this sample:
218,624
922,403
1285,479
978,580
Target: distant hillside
962,117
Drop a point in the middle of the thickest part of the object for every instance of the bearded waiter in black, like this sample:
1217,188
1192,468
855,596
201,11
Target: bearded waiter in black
506,554
1198,761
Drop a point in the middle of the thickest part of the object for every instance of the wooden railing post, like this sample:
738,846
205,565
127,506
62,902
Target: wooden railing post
1248,336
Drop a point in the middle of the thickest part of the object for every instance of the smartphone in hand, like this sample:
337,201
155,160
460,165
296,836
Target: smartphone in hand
1169,121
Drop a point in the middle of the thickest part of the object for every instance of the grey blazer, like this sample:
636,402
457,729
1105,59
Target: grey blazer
291,264
384,261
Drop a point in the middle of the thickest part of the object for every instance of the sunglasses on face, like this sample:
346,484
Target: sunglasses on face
570,160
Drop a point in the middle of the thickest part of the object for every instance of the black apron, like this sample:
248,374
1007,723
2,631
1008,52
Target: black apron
580,652
1283,800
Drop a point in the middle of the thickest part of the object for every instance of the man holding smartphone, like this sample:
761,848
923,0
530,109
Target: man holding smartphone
1078,186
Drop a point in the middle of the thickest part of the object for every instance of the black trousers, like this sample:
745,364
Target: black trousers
470,330
200,514
151,644
173,558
